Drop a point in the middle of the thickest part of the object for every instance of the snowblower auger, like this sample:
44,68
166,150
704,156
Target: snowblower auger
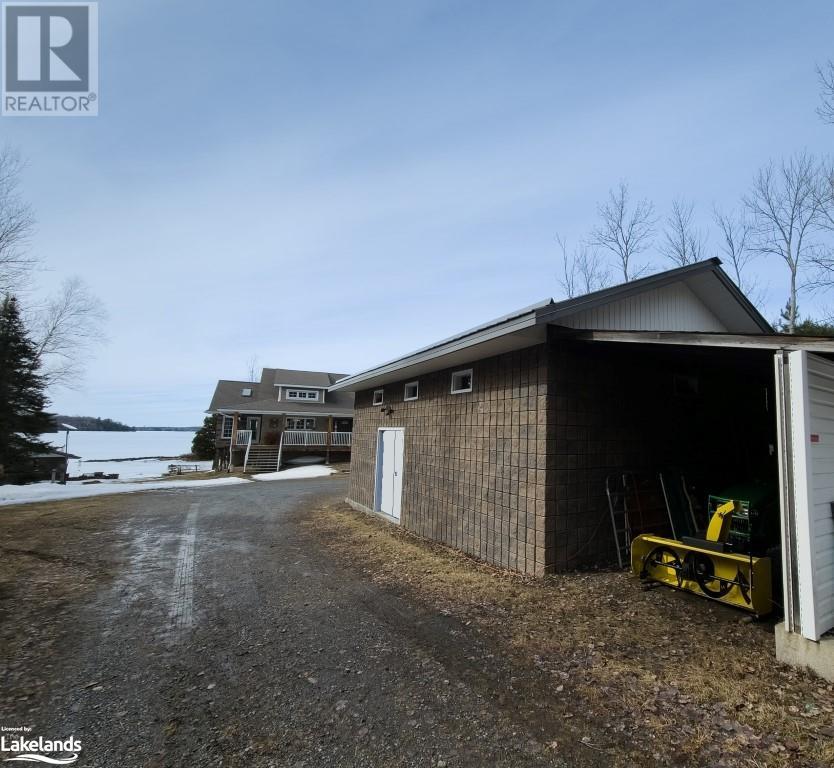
707,566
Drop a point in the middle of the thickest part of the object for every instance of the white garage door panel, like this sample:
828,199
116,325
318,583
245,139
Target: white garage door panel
817,570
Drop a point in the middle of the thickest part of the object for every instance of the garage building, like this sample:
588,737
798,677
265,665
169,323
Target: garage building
508,440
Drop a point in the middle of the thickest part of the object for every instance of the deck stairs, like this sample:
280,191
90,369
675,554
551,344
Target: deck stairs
262,458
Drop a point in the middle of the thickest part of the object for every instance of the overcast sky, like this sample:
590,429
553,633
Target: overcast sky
327,185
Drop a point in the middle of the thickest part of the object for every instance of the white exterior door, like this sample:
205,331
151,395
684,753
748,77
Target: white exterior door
806,443
389,470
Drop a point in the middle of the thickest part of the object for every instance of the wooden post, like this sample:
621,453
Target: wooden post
329,437
232,442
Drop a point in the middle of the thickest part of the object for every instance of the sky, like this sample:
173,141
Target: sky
328,185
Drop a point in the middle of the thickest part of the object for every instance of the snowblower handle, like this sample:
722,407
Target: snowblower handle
719,525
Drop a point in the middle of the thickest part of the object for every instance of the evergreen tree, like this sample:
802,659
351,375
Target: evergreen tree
22,395
806,327
203,444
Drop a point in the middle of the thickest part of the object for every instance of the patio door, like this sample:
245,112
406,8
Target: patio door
389,472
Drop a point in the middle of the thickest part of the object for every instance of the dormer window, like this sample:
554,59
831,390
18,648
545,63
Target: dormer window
307,395
246,392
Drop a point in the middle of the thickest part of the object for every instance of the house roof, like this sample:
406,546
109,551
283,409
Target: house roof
228,395
289,378
703,284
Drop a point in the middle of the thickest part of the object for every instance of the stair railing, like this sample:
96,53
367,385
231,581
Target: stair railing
248,446
280,449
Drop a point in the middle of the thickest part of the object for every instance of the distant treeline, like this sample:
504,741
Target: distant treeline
91,424
94,424
165,429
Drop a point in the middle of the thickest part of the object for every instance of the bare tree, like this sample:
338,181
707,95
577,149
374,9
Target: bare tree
623,231
787,205
825,75
16,224
583,270
252,368
682,242
734,244
822,258
65,328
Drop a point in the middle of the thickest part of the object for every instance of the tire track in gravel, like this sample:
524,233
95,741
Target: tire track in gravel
182,599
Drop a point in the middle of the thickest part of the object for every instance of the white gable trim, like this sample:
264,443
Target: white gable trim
668,308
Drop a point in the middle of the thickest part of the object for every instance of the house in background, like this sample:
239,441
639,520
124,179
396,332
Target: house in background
501,440
285,415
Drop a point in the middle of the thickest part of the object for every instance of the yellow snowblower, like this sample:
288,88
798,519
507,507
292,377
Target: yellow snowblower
707,565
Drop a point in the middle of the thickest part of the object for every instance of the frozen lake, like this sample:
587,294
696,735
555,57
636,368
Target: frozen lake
98,449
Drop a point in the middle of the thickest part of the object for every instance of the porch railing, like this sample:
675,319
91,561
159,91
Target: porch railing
307,438
341,438
303,437
243,437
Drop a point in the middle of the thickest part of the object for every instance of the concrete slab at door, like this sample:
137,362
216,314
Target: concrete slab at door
390,472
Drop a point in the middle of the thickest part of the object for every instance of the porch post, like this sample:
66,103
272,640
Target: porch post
329,437
232,441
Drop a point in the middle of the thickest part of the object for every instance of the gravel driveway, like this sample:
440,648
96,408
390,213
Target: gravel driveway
203,628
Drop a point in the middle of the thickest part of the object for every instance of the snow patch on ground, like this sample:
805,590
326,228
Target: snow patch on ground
26,494
296,473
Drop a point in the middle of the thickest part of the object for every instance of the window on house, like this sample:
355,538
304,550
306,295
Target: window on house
302,394
462,381
226,434
412,390
378,396
298,423
246,391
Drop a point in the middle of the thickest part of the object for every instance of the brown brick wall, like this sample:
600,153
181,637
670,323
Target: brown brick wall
514,472
475,465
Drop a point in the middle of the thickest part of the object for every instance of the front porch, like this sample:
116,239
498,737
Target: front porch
242,451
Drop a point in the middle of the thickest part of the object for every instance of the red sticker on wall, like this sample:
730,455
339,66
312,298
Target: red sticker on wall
815,438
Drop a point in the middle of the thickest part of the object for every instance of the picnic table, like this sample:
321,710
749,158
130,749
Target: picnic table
179,469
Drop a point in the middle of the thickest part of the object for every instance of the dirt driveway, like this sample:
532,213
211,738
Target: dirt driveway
268,625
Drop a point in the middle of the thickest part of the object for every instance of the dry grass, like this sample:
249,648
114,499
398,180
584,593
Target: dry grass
674,674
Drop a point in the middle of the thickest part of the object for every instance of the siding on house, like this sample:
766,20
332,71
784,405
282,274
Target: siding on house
475,471
670,308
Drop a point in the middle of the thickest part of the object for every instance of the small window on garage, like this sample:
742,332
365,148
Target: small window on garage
378,396
412,390
462,381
